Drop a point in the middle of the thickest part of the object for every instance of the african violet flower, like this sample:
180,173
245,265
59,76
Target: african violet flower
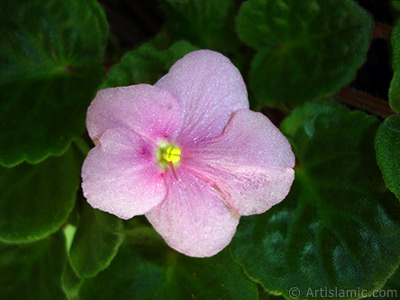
187,152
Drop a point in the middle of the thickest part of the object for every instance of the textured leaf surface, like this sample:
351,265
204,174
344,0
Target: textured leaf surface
33,271
387,145
96,241
340,226
49,74
208,24
394,90
146,64
35,200
145,268
391,290
306,49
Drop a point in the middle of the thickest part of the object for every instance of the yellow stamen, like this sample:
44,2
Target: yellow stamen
169,156
172,154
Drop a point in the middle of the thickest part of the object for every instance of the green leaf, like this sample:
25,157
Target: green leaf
391,289
35,200
146,64
96,241
145,268
33,271
306,49
387,145
394,90
340,226
208,24
49,74
264,295
395,4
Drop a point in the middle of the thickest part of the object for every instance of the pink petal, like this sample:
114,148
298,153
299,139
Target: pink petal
193,219
120,175
148,110
251,163
209,89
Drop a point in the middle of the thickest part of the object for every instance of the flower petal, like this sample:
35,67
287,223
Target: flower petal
148,110
193,219
209,89
251,163
120,175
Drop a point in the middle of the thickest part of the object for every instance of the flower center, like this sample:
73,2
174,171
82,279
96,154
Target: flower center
168,155
171,154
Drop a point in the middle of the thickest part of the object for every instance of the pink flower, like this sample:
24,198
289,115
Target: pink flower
187,152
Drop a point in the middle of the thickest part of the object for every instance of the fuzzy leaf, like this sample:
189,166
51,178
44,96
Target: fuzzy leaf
145,268
33,271
391,289
208,24
306,49
387,145
145,64
340,226
394,90
35,200
96,241
49,74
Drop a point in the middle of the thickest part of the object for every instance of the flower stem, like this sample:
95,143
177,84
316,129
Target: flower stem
82,146
381,31
365,102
